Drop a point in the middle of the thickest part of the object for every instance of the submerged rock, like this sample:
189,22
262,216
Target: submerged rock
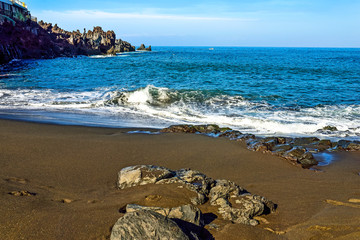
144,224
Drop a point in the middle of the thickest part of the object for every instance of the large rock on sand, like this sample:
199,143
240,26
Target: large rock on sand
144,224
218,191
187,213
142,175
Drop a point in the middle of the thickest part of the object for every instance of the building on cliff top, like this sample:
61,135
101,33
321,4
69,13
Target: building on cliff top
13,10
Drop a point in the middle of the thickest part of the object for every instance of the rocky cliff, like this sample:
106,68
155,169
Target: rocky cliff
43,40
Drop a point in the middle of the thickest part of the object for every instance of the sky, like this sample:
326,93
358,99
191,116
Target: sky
248,23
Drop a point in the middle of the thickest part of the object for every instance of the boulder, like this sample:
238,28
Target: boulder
224,189
144,224
330,128
187,213
142,175
143,48
246,206
302,156
219,192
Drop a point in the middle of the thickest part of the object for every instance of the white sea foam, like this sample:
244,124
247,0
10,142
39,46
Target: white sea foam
159,107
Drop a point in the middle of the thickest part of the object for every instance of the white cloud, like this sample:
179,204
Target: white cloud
95,14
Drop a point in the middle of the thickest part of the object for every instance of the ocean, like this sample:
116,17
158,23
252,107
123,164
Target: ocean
264,91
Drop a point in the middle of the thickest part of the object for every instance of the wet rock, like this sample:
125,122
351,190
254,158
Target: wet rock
295,153
300,155
142,175
265,144
353,146
144,224
179,129
307,160
281,149
232,134
209,128
187,213
304,141
330,128
342,145
246,137
322,145
260,147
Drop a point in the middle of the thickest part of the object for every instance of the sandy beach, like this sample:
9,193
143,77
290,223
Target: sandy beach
70,176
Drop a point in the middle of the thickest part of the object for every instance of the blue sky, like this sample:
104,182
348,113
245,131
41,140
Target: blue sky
269,23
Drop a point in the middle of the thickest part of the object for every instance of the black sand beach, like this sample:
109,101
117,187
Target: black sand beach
70,176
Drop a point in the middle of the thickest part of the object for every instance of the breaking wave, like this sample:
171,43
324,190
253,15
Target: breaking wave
158,107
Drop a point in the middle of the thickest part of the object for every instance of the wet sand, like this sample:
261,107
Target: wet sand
73,171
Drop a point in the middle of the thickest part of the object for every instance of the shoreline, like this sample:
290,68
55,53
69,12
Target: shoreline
81,164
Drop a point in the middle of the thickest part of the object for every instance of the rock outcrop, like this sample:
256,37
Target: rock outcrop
91,42
296,150
145,224
187,213
28,40
234,203
144,48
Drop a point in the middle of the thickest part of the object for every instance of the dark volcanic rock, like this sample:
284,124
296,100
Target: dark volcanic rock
300,155
281,149
210,128
29,39
144,224
330,128
143,48
304,141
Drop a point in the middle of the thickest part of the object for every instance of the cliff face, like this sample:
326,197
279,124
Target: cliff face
42,40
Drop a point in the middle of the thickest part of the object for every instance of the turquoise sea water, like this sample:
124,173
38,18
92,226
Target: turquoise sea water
265,91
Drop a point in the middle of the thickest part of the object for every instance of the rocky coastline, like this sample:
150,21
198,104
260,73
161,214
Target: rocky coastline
41,40
298,151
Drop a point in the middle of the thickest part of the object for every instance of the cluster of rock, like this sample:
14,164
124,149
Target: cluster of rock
91,42
233,202
29,40
297,150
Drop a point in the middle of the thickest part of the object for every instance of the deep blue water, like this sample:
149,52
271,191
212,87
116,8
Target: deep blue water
266,91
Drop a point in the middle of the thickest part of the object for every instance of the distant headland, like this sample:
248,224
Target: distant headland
22,37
